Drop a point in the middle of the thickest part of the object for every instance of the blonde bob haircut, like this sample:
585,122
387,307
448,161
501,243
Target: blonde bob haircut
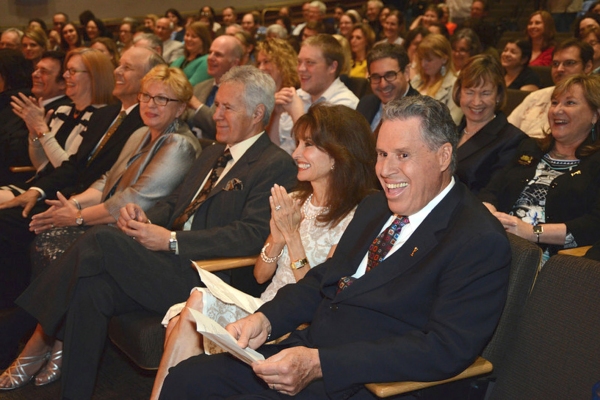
283,55
100,70
478,71
173,78
436,45
37,35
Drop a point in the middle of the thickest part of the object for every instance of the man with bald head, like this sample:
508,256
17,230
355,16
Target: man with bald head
225,52
171,49
11,39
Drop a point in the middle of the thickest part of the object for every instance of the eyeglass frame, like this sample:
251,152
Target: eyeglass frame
153,98
378,78
566,63
73,71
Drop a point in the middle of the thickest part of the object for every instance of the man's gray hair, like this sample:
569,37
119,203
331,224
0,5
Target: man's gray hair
437,126
320,5
259,88
278,30
17,31
153,40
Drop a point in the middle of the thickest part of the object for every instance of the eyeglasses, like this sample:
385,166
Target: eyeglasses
462,51
73,71
389,77
566,64
158,100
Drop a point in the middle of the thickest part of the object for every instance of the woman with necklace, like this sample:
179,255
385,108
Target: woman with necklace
487,140
335,154
550,193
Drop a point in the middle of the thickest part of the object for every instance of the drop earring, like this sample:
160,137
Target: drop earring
593,133
443,70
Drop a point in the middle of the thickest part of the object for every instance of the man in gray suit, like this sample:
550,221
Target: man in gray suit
146,265
225,52
171,49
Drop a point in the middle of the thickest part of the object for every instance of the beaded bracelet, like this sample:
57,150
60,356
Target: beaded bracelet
266,258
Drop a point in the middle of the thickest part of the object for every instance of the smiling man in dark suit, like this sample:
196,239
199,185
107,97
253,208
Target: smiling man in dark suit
220,210
418,307
389,79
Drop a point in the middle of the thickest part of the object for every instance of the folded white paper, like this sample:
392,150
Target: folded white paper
220,336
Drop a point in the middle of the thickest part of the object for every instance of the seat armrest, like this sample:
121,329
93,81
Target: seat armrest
481,366
28,168
575,251
220,264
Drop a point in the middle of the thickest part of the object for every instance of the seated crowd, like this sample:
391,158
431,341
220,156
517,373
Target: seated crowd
330,148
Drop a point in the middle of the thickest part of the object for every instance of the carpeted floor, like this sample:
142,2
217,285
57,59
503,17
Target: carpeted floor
118,379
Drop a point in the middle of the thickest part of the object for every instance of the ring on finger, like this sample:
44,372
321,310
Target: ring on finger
52,226
277,208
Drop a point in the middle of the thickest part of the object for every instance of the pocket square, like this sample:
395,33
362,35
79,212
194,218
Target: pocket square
234,184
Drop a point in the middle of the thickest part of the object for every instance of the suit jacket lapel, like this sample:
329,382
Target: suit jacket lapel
241,167
416,248
481,139
129,125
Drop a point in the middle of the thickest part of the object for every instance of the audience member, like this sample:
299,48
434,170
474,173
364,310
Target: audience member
570,57
305,17
515,61
33,44
372,320
432,14
11,39
592,37
126,32
150,21
393,28
152,272
436,74
550,193
70,38
338,11
148,41
59,20
374,8
229,16
319,64
347,55
337,144
276,31
361,42
171,49
207,15
488,142
414,37
312,28
465,44
177,24
250,24
225,52
249,45
196,44
94,29
445,18
347,22
388,76
37,23
587,21
108,47
541,31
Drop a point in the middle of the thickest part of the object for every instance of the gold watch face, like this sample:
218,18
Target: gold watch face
538,229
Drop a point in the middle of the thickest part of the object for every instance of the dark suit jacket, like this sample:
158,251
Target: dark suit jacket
424,313
487,152
369,104
226,223
74,176
203,118
573,198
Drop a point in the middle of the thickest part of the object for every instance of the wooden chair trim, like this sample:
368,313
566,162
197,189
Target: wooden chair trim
481,366
28,168
575,251
220,264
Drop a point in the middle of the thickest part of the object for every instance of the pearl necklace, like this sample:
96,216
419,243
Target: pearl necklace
305,212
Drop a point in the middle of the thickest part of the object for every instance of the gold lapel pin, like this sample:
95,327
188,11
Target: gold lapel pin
414,251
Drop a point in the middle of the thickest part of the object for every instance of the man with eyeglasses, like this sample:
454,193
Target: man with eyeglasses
571,57
320,61
389,78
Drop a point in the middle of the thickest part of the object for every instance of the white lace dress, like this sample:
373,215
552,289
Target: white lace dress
317,240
